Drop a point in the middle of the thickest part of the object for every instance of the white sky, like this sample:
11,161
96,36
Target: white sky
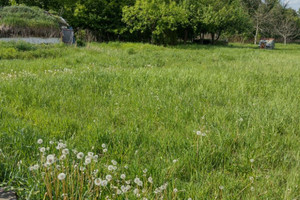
294,4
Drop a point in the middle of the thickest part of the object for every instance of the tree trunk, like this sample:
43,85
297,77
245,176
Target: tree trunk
284,40
212,38
256,33
185,36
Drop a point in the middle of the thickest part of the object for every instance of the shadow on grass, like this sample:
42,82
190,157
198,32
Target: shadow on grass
279,47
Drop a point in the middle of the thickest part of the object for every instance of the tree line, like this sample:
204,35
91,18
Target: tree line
171,21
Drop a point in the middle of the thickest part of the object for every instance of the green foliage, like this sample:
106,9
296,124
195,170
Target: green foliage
160,17
80,38
146,106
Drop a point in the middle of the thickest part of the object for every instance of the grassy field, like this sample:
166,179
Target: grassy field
212,122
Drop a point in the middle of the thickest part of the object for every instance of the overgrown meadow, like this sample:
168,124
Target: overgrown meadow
137,121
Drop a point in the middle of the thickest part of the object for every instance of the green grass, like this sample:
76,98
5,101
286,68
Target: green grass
146,102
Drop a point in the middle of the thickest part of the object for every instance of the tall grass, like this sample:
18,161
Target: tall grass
213,122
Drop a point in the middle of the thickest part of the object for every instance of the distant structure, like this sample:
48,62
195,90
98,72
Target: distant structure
36,26
267,43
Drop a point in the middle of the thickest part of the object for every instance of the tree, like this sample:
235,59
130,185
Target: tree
286,23
161,18
223,16
261,13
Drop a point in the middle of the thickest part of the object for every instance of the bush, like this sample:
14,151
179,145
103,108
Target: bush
24,46
9,53
80,38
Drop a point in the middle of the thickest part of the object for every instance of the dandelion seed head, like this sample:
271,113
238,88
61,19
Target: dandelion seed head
80,155
104,183
123,176
221,187
150,180
50,159
175,190
114,162
82,168
110,167
104,150
108,177
251,179
65,151
87,161
40,141
61,176
97,181
42,149
62,157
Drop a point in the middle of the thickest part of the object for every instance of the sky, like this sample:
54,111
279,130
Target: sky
295,4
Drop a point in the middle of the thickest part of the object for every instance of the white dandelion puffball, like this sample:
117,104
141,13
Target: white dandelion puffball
145,171
51,142
136,180
189,198
119,192
104,150
87,161
40,141
50,159
123,176
104,183
62,157
42,149
61,146
175,161
175,190
61,176
103,146
35,167
82,168
221,187
110,167
65,151
108,177
136,191
150,180
114,162
80,155
97,181
91,154
252,160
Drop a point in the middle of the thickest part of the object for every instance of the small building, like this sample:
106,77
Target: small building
36,26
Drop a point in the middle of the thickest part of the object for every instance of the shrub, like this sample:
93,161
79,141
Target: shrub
80,38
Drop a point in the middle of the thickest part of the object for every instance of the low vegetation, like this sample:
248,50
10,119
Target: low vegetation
181,122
